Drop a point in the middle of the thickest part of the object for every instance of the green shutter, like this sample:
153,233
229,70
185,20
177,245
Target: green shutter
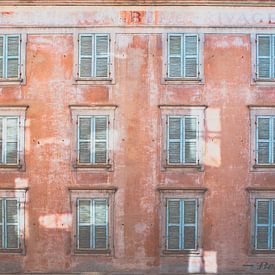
101,124
13,56
175,58
191,56
12,225
1,56
190,139
174,139
84,139
84,224
12,140
190,223
101,221
263,142
264,56
173,224
102,55
86,55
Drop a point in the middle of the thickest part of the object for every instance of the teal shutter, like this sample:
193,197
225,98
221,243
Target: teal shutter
190,141
84,224
86,55
175,56
263,140
102,55
100,140
1,56
84,139
264,56
191,59
13,56
12,125
2,237
174,140
12,223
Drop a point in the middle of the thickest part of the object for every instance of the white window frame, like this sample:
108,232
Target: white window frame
22,60
93,80
103,192
181,111
20,196
20,113
82,111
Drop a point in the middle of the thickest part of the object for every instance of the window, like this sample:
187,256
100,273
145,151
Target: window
182,219
94,136
183,56
93,217
183,135
12,205
94,56
12,121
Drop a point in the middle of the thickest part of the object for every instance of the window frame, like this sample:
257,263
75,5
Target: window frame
182,111
80,111
103,192
22,60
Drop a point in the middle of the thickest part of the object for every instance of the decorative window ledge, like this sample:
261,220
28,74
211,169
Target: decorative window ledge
94,81
182,81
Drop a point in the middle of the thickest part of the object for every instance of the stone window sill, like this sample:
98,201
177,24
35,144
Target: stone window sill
105,252
94,81
180,80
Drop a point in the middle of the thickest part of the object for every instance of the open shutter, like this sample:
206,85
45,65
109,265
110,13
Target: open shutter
1,56
262,224
84,224
263,141
173,224
190,224
102,55
12,225
12,140
174,139
101,124
191,56
1,224
190,141
86,55
84,140
13,56
264,56
101,222
175,58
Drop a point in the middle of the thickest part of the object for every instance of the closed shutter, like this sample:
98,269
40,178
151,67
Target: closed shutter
190,224
1,224
174,140
13,56
102,55
263,140
101,222
84,224
86,55
173,224
190,141
101,124
273,224
84,139
12,140
191,56
262,224
1,140
175,57
1,56
12,225
264,53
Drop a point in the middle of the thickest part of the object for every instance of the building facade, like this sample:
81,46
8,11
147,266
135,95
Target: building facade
137,136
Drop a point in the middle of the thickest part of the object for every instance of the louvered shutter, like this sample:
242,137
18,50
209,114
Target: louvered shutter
190,224
190,141
84,139
174,139
191,56
1,140
101,221
263,142
13,58
262,224
84,224
264,56
1,224
102,55
12,140
101,124
86,55
175,56
173,224
273,224
1,56
12,225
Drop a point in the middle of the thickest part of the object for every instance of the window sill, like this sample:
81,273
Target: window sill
183,166
263,82
94,81
93,166
262,252
181,252
11,251
188,81
104,252
263,167
7,82
11,166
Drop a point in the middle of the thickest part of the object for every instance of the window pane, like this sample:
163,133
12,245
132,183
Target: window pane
263,212
100,212
100,152
190,128
100,128
85,67
264,45
174,152
262,237
12,236
100,237
191,67
175,45
263,152
13,66
191,45
173,237
85,128
263,128
13,46
102,44
189,237
190,152
84,237
189,212
84,211
173,212
12,207
12,129
264,67
174,128
11,152
175,66
84,152
86,45
102,67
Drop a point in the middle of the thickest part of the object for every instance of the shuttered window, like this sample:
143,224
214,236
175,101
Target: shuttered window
92,224
94,55
9,223
182,139
183,56
265,224
93,139
9,56
265,139
9,140
181,224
